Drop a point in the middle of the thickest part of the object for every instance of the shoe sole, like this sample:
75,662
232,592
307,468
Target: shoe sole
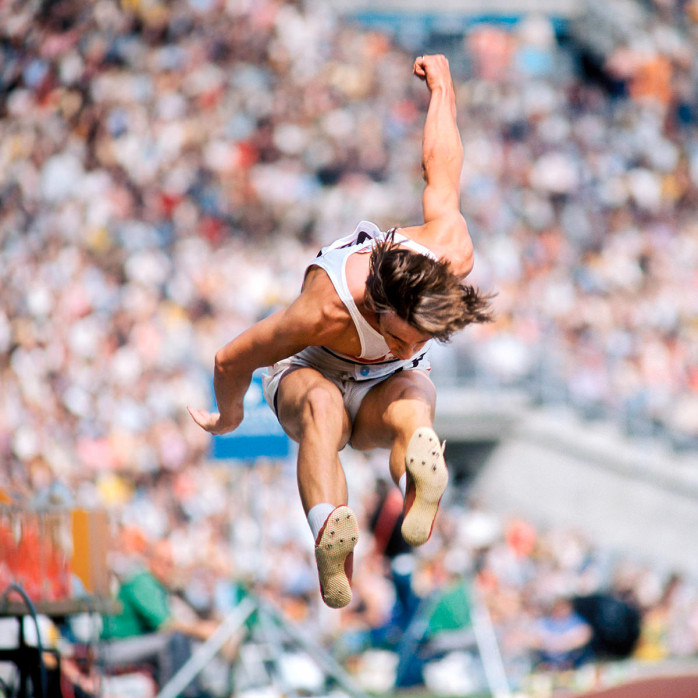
427,474
336,543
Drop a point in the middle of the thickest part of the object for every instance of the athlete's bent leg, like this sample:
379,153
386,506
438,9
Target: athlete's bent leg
427,478
391,412
398,414
311,411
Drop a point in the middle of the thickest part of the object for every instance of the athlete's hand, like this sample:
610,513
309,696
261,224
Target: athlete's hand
212,422
434,70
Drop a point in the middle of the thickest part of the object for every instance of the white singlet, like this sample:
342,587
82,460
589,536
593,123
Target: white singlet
375,362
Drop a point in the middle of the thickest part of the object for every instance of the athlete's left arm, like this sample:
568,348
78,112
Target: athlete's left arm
276,337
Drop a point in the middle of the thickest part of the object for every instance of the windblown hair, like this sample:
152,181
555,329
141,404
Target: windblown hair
422,291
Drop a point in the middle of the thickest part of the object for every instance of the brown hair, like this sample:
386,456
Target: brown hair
422,291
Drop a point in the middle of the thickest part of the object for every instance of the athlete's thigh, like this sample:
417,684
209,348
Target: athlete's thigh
303,392
373,426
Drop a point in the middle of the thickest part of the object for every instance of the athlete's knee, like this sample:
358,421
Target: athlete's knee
322,409
418,392
412,404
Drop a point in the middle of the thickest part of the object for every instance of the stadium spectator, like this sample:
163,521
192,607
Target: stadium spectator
560,638
150,148
148,630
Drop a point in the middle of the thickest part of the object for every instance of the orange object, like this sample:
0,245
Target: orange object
90,546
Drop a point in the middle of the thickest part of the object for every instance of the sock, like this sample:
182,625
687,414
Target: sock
403,484
318,515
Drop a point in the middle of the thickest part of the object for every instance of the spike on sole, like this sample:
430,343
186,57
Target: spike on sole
427,478
334,554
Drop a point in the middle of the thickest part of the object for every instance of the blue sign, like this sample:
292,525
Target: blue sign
259,436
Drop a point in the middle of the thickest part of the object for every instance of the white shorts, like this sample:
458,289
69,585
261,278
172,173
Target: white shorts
353,391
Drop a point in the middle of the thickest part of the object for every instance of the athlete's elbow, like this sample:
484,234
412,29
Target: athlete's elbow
468,256
468,264
222,361
463,262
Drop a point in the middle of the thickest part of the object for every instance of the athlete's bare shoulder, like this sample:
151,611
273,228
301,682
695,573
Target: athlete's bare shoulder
332,321
448,238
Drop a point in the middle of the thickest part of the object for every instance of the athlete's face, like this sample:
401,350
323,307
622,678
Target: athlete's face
403,340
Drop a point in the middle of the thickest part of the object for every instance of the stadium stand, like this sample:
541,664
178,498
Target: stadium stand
168,168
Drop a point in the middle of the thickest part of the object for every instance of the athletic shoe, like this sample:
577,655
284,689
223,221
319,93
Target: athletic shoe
334,553
427,477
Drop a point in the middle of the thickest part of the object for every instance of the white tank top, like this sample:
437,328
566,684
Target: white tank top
375,359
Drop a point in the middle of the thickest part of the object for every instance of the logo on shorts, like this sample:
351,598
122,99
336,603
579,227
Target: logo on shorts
365,370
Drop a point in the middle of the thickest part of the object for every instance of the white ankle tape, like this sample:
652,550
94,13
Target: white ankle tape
318,515
402,484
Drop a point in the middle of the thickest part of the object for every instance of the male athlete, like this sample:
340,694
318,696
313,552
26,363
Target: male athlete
349,357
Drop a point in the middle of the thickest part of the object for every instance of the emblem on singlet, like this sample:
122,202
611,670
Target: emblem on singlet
360,239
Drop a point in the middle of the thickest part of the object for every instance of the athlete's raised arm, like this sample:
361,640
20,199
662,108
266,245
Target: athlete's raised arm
444,227
276,337
442,150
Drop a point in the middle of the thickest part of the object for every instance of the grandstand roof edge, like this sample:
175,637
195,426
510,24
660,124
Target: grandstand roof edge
559,8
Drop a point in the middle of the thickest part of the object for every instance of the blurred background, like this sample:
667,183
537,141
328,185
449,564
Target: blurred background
167,171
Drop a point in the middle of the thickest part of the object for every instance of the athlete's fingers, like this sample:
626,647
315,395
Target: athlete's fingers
206,420
196,415
419,68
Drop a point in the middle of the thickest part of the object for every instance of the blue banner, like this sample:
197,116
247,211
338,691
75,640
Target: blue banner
259,436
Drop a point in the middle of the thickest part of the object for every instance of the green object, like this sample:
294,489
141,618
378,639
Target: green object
451,610
145,608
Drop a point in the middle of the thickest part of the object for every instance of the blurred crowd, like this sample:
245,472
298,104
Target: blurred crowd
167,170
582,194
556,602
